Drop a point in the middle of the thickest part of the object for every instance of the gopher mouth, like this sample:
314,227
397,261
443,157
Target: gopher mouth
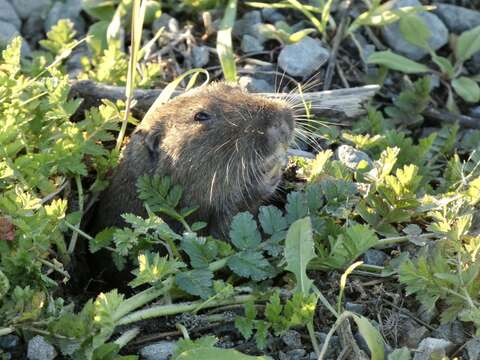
274,166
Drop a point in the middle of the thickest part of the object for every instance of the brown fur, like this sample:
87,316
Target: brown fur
228,164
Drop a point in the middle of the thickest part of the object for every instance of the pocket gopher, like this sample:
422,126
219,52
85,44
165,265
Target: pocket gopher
225,147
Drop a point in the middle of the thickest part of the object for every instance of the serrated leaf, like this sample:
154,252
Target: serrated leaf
271,219
196,282
467,89
372,337
296,206
243,231
102,239
250,264
245,326
200,251
299,250
397,62
468,43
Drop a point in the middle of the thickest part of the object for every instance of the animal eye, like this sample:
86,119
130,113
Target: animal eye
202,116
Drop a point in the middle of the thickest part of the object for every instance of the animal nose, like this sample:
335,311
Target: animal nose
279,131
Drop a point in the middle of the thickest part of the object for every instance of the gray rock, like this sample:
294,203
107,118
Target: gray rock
426,315
249,25
169,23
255,85
40,349
201,56
473,348
354,307
158,351
374,257
73,64
395,39
297,354
27,8
413,334
430,346
453,332
292,339
272,15
334,346
33,29
68,10
475,111
458,19
251,44
8,14
7,33
351,157
8,342
303,58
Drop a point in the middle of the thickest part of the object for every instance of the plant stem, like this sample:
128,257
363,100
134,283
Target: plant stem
55,267
84,234
313,338
127,336
383,243
73,240
138,15
164,310
141,299
334,328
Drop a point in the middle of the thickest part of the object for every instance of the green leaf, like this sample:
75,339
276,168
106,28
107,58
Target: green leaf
297,207
372,337
468,43
299,35
216,354
251,264
467,89
444,64
243,231
60,37
200,251
415,31
152,269
299,250
245,326
271,219
397,62
203,349
102,239
196,282
98,37
11,56
224,42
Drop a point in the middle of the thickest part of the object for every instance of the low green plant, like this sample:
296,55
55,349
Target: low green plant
283,33
450,68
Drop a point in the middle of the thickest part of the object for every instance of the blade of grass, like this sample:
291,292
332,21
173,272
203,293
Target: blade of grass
297,5
224,42
138,15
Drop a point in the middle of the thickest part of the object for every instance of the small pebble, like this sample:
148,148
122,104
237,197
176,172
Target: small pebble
8,342
162,350
201,56
40,349
429,346
458,19
303,58
292,339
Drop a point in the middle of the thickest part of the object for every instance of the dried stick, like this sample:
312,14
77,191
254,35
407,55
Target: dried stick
342,103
